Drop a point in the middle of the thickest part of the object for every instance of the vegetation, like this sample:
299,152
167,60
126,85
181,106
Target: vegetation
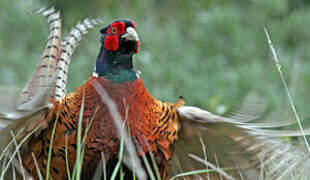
210,52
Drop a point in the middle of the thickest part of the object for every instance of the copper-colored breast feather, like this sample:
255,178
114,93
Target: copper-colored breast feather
153,125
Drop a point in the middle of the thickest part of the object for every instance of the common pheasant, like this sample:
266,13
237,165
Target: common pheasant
171,133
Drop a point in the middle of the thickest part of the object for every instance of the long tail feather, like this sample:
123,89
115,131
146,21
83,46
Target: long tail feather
23,112
46,67
67,48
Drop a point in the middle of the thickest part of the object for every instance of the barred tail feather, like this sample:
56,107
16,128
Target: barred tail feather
46,67
67,48
22,111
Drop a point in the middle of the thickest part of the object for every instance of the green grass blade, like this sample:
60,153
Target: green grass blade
196,172
37,166
147,165
117,167
18,156
50,148
275,58
104,166
121,173
155,166
14,153
79,159
9,144
67,163
4,161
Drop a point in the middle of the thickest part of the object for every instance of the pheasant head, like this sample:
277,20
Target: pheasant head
119,43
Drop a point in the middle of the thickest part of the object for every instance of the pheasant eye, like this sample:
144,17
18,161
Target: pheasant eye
114,30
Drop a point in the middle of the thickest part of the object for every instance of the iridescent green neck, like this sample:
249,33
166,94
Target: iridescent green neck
115,67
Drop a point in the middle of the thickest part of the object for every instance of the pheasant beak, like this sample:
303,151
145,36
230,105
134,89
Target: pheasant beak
130,35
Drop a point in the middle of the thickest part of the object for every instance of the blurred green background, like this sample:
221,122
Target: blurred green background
212,52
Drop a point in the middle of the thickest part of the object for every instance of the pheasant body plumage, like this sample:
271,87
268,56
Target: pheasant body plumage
154,126
152,123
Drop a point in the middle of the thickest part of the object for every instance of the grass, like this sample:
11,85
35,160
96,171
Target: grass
197,172
51,147
12,156
18,156
104,167
118,165
215,168
80,151
275,58
37,167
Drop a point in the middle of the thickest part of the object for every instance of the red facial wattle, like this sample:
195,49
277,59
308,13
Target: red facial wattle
111,42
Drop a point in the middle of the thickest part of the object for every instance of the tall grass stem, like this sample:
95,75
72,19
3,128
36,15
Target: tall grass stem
275,58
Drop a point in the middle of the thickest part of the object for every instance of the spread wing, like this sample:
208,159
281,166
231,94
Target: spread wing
235,149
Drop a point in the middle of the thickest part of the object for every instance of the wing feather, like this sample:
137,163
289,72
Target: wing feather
246,149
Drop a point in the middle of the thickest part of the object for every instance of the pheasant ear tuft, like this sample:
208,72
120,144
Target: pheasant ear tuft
104,30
